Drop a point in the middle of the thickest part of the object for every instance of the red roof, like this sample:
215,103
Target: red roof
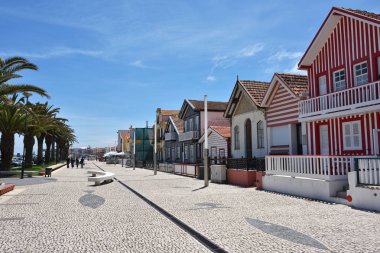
222,130
255,89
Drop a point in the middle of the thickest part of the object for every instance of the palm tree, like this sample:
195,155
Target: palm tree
46,123
9,69
12,120
39,124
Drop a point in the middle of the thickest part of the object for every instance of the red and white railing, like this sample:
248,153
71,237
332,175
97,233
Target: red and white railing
362,95
310,166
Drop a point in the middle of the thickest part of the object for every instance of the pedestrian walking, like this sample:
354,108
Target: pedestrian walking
72,162
68,162
77,162
81,162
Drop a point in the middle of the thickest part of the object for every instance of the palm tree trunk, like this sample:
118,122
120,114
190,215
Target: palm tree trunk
7,149
56,152
29,143
40,143
48,140
52,158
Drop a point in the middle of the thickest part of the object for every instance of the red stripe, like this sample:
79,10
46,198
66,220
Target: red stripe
283,123
282,106
282,109
363,34
281,119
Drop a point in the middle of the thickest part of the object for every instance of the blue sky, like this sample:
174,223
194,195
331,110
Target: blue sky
110,64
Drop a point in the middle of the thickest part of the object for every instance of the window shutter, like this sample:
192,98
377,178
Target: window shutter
356,134
347,135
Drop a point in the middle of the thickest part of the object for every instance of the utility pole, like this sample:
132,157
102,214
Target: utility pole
205,150
134,149
155,148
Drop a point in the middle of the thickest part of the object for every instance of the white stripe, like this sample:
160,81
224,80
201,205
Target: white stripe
276,110
331,137
284,102
281,122
293,115
270,113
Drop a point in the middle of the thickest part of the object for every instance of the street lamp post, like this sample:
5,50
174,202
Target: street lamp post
155,149
27,95
205,150
134,149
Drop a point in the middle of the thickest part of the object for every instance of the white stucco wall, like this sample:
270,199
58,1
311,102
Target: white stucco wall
363,197
239,120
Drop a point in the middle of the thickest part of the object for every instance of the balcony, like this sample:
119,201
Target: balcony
171,136
190,135
348,99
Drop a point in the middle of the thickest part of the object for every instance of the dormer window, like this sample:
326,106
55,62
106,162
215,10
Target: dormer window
339,80
361,73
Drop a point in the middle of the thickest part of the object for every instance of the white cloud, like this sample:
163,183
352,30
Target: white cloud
295,70
211,78
228,60
55,52
285,55
251,51
140,64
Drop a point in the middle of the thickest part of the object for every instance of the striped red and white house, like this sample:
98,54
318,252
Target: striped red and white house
281,103
341,117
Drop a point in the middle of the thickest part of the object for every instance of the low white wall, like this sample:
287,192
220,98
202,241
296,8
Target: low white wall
218,173
304,187
167,167
363,197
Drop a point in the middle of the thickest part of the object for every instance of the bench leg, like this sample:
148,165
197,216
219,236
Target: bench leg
97,182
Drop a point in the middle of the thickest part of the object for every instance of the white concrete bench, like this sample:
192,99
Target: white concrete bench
100,176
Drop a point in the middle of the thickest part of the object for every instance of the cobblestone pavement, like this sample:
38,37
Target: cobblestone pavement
247,220
66,213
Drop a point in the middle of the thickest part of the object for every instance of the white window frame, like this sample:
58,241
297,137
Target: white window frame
352,135
340,81
356,77
325,84
236,138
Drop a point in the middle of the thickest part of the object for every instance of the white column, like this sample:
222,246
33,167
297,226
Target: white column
155,149
205,151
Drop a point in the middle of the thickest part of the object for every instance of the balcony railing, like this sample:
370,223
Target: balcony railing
190,135
359,96
317,167
171,136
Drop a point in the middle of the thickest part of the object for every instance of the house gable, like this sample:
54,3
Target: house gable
244,105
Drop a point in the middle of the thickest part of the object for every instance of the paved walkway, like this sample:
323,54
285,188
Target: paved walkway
66,213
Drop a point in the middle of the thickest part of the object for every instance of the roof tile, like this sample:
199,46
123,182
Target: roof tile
255,89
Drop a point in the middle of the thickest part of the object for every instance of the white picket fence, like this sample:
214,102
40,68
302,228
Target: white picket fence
369,171
310,166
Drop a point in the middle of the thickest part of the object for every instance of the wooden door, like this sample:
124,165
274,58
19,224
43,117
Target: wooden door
248,139
324,140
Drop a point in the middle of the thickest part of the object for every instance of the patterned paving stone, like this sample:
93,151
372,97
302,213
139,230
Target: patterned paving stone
69,214
247,220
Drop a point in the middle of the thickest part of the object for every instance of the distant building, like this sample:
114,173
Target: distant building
122,140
